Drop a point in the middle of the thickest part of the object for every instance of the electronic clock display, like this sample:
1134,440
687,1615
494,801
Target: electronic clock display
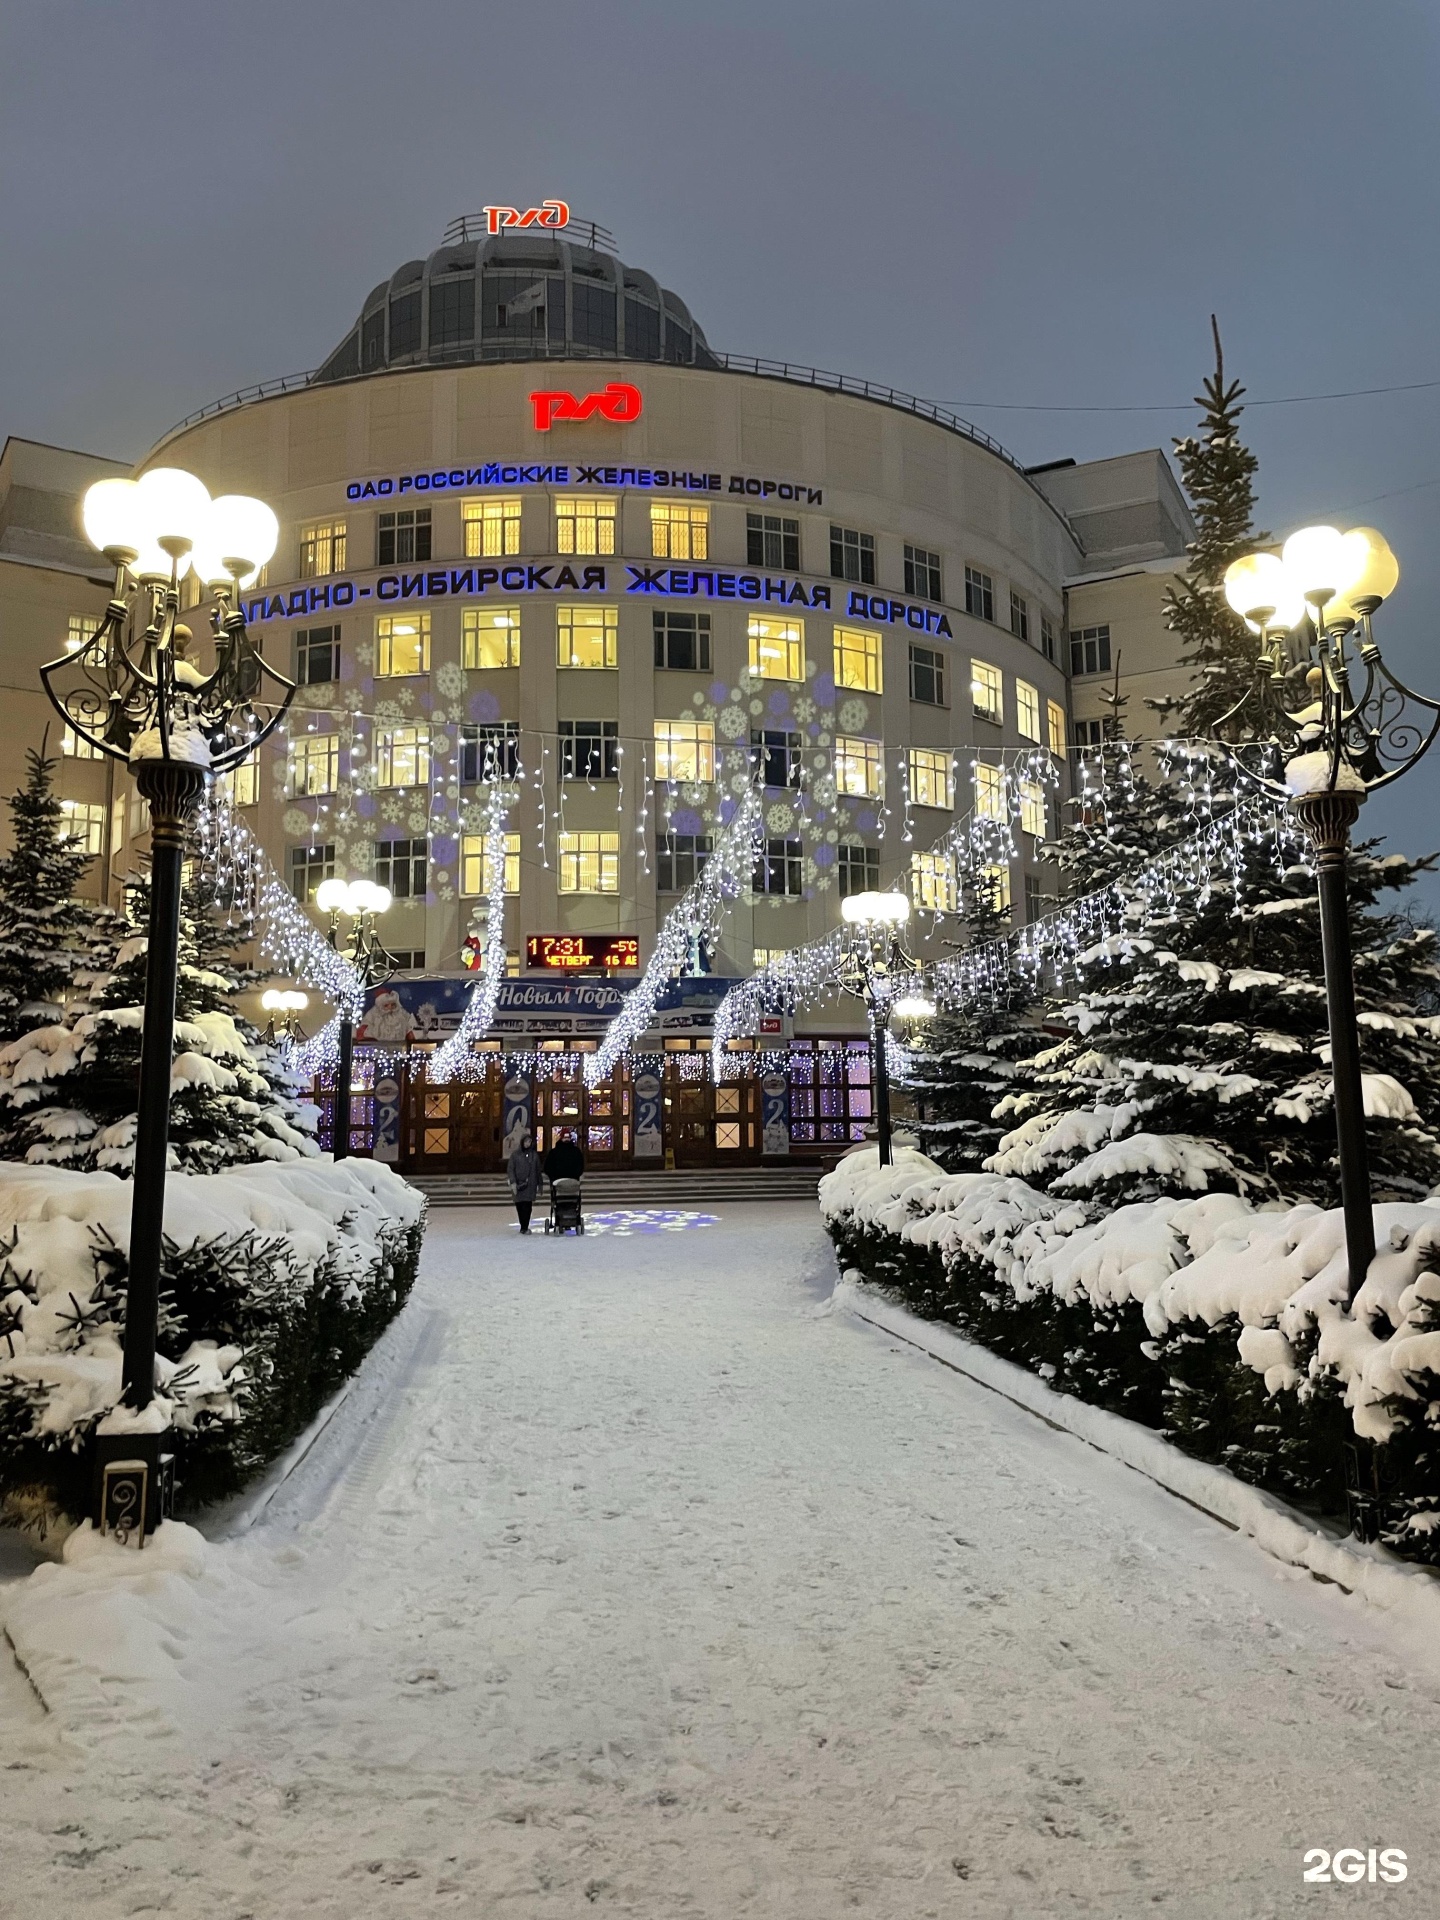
582,953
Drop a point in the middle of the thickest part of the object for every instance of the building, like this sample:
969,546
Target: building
533,523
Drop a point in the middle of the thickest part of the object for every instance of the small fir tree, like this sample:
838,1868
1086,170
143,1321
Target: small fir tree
43,926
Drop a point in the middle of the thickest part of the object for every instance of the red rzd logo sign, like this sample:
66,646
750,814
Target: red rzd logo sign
617,401
549,213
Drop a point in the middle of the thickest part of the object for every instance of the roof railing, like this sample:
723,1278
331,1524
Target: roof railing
580,233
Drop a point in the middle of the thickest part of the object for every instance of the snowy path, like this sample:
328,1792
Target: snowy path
624,1582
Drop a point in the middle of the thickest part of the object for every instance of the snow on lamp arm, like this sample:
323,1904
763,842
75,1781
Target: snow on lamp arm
1357,727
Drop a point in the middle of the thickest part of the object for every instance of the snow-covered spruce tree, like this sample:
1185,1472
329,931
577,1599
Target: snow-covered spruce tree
68,1089
43,926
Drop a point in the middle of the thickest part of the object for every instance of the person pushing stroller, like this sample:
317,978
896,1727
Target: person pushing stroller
564,1169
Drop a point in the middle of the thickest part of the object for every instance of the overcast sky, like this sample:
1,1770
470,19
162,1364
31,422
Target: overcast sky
1030,202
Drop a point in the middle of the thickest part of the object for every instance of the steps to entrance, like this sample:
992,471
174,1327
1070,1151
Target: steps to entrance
695,1187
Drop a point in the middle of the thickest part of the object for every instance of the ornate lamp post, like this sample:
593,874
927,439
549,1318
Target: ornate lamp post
137,693
289,1003
1328,723
362,901
874,966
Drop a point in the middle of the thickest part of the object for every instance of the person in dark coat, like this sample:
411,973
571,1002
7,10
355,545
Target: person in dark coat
522,1170
565,1161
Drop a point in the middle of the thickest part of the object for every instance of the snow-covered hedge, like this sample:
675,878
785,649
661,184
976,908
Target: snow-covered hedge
1221,1324
277,1280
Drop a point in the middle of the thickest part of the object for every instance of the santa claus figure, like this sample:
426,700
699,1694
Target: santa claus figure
388,1023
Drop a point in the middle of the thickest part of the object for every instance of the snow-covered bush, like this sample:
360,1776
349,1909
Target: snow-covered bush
276,1281
1220,1323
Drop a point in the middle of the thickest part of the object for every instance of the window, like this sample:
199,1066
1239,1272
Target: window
775,755
1086,737
857,659
986,690
679,531
317,655
308,867
1055,723
452,311
75,746
589,750
491,527
314,764
322,548
989,792
475,874
852,555
922,573
489,637
1047,636
931,778
1032,808
79,627
589,863
682,641
857,869
402,537
588,636
927,676
1034,898
584,523
684,750
402,756
1027,711
932,882
490,752
777,648
1019,616
763,956
771,541
402,866
859,766
680,859
997,883
831,1098
402,644
409,959
240,786
777,870
84,820
1090,650
979,594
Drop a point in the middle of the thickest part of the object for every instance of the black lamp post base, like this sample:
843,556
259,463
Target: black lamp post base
134,1487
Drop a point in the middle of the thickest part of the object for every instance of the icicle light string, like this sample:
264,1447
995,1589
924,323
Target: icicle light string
479,1014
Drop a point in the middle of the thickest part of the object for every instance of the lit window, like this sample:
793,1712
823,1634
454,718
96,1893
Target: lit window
402,644
589,749
927,676
777,869
322,548
857,659
490,752
308,867
777,648
240,787
402,756
986,687
979,594
589,863
989,792
317,655
588,636
402,537
475,874
1027,710
1090,650
922,573
679,531
857,869
680,860
491,526
490,637
314,764
79,627
684,750
84,820
1032,808
75,746
932,778
1047,636
1055,717
682,641
932,882
997,882
584,523
766,956
859,767
403,866
1019,615
852,555
772,541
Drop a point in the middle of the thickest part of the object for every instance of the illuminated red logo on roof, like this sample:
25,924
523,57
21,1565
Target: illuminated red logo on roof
549,213
617,401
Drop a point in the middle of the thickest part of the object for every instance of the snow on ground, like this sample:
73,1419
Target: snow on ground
628,1577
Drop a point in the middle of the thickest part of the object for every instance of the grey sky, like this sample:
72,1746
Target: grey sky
1034,201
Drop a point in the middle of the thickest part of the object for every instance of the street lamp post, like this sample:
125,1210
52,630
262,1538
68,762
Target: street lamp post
289,1003
361,901
874,965
135,692
1357,727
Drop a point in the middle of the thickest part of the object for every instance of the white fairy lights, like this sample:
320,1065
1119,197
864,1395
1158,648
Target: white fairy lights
479,1015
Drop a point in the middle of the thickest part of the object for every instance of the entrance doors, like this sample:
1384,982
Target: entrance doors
710,1126
454,1128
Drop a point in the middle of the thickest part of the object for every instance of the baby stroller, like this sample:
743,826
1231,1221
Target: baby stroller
565,1214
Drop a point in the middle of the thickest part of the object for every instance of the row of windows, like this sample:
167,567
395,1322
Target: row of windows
590,863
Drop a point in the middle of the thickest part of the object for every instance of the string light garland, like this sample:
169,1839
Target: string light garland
479,1014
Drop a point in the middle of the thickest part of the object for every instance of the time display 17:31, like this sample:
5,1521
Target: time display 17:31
582,952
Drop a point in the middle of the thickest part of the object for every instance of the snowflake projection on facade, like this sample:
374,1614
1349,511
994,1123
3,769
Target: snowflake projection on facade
449,680
853,715
733,722
630,1220
295,823
779,818
387,712
804,709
